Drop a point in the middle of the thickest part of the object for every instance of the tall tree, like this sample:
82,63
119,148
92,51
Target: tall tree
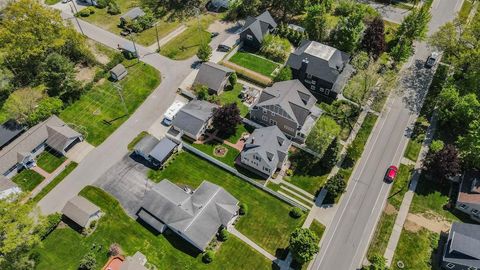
22,103
58,74
226,118
470,145
322,134
316,22
374,38
415,25
443,164
303,244
330,157
349,32
204,52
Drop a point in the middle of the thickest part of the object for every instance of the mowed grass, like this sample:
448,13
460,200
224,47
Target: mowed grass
384,229
415,249
267,222
100,111
64,248
317,228
254,63
27,180
413,149
59,178
233,96
400,185
149,36
209,148
187,43
309,183
49,160
107,21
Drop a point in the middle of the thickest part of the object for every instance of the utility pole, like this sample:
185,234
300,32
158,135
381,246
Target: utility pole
76,19
156,31
75,6
197,13
120,93
135,48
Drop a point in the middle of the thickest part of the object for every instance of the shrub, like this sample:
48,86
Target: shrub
224,234
114,250
437,146
275,48
113,8
201,91
296,212
233,78
100,74
116,59
204,52
208,256
102,3
88,262
303,244
285,74
336,186
86,12
51,223
243,209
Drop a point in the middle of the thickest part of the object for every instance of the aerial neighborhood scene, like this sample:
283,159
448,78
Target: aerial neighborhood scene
239,134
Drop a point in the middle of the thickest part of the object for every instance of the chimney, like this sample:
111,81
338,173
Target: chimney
253,140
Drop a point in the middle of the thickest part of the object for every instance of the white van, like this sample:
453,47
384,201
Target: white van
171,112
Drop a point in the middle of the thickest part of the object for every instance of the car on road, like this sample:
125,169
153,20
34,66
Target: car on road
391,173
214,34
431,60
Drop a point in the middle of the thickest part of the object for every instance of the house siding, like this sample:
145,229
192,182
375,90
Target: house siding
319,88
254,43
259,165
468,209
287,126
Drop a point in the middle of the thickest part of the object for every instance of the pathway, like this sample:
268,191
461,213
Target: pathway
173,34
249,242
436,226
407,199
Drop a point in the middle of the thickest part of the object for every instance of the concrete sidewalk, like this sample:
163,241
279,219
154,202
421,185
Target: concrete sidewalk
249,242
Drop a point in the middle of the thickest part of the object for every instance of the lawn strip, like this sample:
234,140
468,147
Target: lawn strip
255,63
384,229
400,185
49,160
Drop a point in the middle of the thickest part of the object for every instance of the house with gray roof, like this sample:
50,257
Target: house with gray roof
213,76
81,211
468,200
194,118
255,29
9,131
462,249
132,14
289,106
323,70
118,72
265,151
7,187
195,216
154,150
21,152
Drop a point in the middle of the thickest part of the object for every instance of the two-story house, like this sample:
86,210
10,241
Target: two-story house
255,29
468,200
289,106
324,70
462,249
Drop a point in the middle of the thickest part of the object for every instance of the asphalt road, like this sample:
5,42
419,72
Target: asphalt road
347,238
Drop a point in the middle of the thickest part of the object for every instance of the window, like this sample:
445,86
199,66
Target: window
264,118
321,89
309,76
312,87
249,37
475,212
314,82
327,91
472,268
463,206
264,111
273,122
272,113
450,265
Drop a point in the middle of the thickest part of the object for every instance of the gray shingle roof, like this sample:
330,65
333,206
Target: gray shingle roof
8,131
163,149
118,70
79,210
197,216
292,97
324,62
60,135
260,25
146,144
193,116
133,13
463,245
212,75
56,134
268,141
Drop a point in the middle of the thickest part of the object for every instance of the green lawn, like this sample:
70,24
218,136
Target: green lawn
110,22
27,180
99,112
310,184
49,160
254,63
68,169
400,185
465,11
308,174
135,140
413,149
149,36
187,43
64,248
233,95
238,133
209,147
51,2
355,149
318,228
267,223
379,242
415,249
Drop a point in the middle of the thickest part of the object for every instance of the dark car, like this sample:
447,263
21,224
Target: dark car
125,32
391,173
431,60
214,34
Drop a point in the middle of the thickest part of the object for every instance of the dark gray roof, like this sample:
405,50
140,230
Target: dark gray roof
260,25
163,149
118,70
212,75
463,245
146,144
193,116
292,98
324,62
196,216
55,135
470,188
8,131
133,13
79,210
269,143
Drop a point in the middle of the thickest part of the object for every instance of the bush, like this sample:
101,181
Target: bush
117,59
233,79
201,91
51,223
243,209
336,186
86,12
208,256
275,48
204,52
114,250
224,234
100,74
296,212
436,146
285,74
88,262
113,8
102,3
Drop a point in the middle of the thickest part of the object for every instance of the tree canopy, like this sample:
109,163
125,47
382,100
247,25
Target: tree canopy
303,244
322,134
374,38
226,118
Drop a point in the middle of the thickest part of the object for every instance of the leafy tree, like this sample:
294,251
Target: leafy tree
243,209
303,244
336,186
29,32
224,234
330,157
374,38
226,119
6,82
285,74
204,52
443,164
201,91
46,107
316,22
415,25
296,212
208,256
23,102
349,32
470,145
275,48
436,146
248,7
288,7
361,60
322,134
233,79
113,8
377,262
88,262
401,50
56,73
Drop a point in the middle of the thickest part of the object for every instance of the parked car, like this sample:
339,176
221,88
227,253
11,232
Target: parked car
391,174
214,34
223,48
431,60
125,32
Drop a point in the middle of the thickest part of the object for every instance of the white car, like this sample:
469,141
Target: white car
171,112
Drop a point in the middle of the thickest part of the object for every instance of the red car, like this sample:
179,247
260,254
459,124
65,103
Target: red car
391,173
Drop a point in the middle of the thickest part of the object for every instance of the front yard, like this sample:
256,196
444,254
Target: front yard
255,63
99,112
306,174
27,180
64,248
415,249
267,222
48,160
400,185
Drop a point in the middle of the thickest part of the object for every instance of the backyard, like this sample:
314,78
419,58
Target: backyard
233,96
255,63
211,147
267,222
100,111
64,247
27,180
49,160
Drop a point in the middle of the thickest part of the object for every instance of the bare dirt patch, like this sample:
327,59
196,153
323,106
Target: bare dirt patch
412,226
84,73
390,209
436,225
99,56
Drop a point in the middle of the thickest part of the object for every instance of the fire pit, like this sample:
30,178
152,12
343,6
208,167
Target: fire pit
220,151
